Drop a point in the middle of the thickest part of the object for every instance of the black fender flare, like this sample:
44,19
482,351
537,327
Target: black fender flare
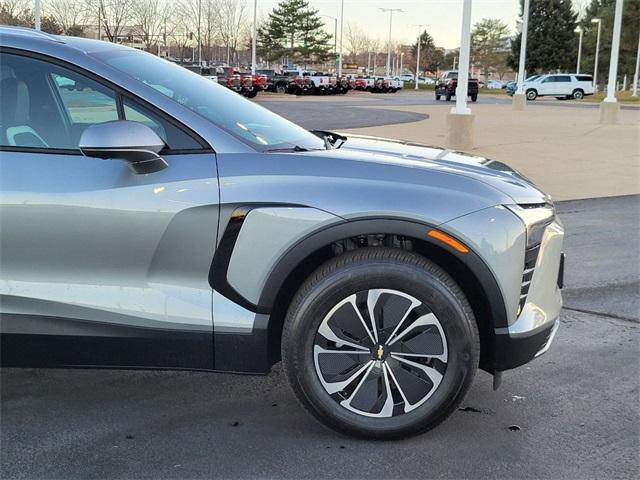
296,254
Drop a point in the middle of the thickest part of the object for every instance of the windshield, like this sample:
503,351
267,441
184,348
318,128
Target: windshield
255,125
532,78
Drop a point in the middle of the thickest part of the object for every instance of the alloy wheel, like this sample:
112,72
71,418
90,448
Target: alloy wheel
380,353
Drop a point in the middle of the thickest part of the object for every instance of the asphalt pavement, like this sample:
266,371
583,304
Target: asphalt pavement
572,413
319,112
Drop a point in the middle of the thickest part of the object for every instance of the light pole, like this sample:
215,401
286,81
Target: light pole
418,56
390,10
578,30
401,57
634,93
199,37
37,14
519,100
595,62
460,119
254,32
463,64
335,34
341,29
610,107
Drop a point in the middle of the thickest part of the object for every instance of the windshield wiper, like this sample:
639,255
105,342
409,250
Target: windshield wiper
331,139
295,148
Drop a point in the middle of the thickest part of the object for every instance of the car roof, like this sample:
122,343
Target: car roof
27,37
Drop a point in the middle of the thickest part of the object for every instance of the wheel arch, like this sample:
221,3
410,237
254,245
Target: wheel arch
468,270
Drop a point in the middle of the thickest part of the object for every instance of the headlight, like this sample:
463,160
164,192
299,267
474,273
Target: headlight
536,218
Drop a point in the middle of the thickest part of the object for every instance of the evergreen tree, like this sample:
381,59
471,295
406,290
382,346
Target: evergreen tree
431,57
604,10
552,44
294,30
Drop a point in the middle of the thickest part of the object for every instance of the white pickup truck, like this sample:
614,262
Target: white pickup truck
562,86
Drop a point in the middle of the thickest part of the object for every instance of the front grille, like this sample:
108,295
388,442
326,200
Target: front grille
530,258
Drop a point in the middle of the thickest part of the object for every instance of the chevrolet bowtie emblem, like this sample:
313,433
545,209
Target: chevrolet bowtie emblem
380,352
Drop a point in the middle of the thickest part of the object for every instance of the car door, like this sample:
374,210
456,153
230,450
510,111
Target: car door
562,85
99,265
546,85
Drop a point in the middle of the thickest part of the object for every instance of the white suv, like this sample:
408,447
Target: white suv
562,86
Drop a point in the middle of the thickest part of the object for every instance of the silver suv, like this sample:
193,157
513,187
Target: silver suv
150,218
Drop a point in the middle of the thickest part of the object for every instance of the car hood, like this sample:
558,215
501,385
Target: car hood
496,174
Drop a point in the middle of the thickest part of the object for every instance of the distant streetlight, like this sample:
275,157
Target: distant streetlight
341,30
635,75
37,13
199,37
401,56
253,37
418,56
595,63
579,31
335,33
390,10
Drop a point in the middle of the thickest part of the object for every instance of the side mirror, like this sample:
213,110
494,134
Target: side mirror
125,140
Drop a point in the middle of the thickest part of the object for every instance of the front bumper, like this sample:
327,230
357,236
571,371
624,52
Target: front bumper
537,323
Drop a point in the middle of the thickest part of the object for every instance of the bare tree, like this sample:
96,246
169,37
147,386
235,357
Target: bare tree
357,41
209,30
69,14
232,25
13,8
115,16
151,17
180,29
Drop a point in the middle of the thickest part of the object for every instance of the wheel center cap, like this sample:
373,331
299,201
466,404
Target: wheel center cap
380,352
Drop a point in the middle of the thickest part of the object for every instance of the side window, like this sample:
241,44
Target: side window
44,105
175,138
85,102
563,78
47,106
547,80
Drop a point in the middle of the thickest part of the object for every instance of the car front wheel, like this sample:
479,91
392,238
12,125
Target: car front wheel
577,94
380,343
532,94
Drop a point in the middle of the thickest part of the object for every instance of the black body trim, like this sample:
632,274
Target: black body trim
220,265
98,344
513,351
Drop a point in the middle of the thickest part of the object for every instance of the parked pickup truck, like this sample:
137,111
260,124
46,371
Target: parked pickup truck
238,82
448,83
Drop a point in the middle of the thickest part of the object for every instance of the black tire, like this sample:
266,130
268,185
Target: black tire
252,93
437,97
448,97
397,272
577,94
531,94
474,97
281,88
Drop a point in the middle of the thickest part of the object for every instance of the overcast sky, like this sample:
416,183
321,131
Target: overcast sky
443,17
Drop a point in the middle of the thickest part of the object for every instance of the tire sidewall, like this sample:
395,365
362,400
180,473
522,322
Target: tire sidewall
424,286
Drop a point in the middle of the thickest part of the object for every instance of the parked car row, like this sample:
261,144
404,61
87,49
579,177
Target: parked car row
377,84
